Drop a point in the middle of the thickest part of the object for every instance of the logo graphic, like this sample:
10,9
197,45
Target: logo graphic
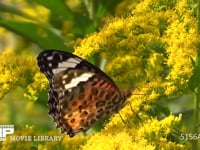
5,130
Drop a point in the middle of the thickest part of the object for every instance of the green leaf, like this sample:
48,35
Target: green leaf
43,36
194,81
82,25
60,12
14,11
105,6
58,8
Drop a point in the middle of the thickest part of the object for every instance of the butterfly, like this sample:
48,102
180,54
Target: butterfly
80,94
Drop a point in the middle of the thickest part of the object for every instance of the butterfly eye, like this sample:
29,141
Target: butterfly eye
80,94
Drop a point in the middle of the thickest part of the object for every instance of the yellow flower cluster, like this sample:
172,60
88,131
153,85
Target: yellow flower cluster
16,70
20,71
115,141
147,45
39,84
150,135
181,41
151,48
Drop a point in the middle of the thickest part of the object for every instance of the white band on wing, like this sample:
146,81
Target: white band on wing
75,81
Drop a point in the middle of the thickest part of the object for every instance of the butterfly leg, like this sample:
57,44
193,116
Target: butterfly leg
138,117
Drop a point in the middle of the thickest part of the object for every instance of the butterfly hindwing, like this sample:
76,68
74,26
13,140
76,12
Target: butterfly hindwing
83,100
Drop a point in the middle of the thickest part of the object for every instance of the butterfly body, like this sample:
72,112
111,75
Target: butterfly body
80,94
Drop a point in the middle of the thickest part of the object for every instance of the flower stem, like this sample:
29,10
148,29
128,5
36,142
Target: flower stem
89,4
196,115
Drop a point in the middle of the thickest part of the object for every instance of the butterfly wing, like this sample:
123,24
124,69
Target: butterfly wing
84,100
80,94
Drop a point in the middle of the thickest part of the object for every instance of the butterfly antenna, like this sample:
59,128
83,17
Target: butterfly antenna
138,94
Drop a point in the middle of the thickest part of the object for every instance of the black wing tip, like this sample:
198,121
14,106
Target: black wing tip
51,51
43,52
41,58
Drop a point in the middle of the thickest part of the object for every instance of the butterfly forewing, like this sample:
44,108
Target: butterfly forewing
80,94
52,62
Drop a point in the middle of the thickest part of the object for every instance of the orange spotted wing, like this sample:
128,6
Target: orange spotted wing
80,94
